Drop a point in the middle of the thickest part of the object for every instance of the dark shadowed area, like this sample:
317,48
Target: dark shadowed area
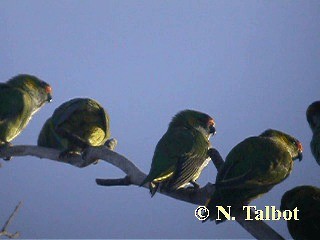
252,65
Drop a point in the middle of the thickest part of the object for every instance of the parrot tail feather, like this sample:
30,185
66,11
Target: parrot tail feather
153,186
212,204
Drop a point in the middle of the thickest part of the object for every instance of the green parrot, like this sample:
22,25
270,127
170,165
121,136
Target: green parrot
252,168
75,125
307,200
313,118
20,98
181,154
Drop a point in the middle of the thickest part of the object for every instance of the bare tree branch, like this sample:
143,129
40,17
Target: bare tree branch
4,231
134,176
216,158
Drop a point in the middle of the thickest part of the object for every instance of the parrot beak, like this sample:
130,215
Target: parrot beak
300,156
48,90
212,129
300,149
49,98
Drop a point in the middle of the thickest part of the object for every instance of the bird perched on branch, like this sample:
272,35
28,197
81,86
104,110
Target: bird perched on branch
313,118
75,125
181,154
307,200
252,168
20,98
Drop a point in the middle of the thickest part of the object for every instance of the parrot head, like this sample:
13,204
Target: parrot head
296,196
288,200
293,146
40,91
194,119
313,115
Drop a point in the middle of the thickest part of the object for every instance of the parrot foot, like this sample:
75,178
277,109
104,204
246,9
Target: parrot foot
3,147
153,187
195,186
84,154
111,143
95,161
68,154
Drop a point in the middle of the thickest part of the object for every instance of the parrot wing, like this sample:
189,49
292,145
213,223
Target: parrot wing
104,116
63,113
251,169
189,163
254,162
11,103
173,147
79,105
106,120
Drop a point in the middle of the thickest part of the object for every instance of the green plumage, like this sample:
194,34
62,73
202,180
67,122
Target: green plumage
20,98
74,125
252,168
181,154
307,200
313,118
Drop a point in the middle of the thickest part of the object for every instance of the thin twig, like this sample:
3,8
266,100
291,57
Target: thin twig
4,231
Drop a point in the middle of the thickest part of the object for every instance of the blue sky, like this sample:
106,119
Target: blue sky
252,65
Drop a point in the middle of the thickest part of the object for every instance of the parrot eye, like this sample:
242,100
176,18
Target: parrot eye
48,89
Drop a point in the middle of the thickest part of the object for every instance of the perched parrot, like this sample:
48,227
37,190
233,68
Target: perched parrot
252,168
20,98
181,154
313,118
75,125
307,200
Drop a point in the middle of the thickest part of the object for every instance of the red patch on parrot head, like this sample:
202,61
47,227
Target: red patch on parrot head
211,125
48,89
300,147
211,122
